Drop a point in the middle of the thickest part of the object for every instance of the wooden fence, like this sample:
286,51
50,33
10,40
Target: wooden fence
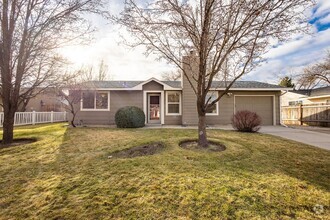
313,115
32,118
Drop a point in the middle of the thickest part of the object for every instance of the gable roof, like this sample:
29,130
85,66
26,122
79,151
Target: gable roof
176,85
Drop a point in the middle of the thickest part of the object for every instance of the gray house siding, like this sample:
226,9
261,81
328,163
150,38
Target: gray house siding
189,114
189,100
226,104
173,119
118,99
153,86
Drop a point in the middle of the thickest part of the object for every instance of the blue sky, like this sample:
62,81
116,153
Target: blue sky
124,63
291,57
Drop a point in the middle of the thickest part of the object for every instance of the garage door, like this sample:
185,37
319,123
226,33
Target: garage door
262,105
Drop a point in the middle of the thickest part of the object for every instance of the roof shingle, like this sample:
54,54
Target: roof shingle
177,84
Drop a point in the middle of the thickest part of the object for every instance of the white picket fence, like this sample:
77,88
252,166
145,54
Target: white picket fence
32,118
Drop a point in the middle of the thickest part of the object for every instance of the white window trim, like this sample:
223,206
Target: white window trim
95,109
216,93
180,101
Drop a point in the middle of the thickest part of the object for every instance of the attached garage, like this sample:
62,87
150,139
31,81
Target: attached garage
264,106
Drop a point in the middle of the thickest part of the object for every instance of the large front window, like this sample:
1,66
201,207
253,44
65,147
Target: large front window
95,100
173,103
214,109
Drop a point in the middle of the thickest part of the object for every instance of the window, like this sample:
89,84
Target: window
214,109
92,100
88,100
173,103
295,103
101,100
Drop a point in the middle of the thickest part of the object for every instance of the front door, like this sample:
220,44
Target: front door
154,108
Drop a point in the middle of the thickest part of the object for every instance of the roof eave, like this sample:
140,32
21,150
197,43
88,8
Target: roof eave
319,97
252,89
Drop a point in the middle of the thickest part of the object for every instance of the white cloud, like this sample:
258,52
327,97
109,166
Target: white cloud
325,20
124,63
292,57
131,64
323,7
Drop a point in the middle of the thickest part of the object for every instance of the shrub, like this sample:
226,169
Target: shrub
246,121
130,117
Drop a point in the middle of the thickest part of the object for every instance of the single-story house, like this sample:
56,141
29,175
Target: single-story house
306,96
174,102
46,101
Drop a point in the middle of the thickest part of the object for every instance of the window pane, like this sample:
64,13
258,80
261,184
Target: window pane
88,100
101,100
154,100
213,109
174,108
213,96
174,97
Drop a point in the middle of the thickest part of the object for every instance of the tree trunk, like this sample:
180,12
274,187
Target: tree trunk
72,120
202,138
8,127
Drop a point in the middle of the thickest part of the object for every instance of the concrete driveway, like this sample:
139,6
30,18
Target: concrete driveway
313,138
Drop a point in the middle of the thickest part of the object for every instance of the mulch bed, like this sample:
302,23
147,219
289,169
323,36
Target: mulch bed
139,151
18,142
193,145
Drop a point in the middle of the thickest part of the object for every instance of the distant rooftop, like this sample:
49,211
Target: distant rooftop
314,92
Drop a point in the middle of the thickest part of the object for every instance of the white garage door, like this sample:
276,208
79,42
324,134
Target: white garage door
262,105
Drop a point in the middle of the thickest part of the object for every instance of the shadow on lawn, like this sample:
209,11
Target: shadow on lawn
277,155
183,181
67,174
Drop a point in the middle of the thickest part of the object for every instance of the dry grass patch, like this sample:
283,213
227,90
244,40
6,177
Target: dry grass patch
18,142
139,151
193,145
66,174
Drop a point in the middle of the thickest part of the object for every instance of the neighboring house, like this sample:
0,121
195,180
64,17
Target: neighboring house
46,101
306,96
174,102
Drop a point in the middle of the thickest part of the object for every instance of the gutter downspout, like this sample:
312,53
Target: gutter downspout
281,123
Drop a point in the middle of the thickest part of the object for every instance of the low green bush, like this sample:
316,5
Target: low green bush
130,117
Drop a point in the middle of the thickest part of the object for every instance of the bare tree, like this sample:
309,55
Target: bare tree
227,38
315,75
103,71
70,91
172,76
71,96
90,73
31,32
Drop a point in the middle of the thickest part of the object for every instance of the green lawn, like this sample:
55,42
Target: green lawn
66,174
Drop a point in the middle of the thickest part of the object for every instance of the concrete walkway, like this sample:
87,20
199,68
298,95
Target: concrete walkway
313,138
